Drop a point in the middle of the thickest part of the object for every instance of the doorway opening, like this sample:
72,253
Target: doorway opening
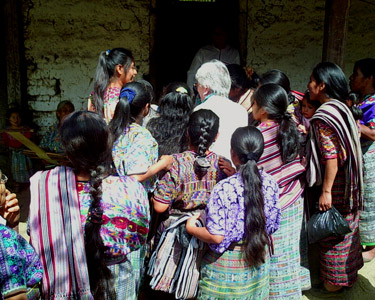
182,27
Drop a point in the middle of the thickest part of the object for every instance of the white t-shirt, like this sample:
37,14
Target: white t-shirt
232,115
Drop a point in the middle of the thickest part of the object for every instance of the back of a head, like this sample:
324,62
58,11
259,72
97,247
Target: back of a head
202,130
214,75
276,77
274,100
87,140
238,76
133,98
176,106
108,60
177,86
247,143
367,67
334,79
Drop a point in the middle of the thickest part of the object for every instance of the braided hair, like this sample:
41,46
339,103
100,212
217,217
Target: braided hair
88,143
248,144
202,130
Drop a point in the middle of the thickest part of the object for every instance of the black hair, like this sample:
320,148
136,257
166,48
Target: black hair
175,86
367,67
274,100
202,130
334,79
170,127
126,112
248,145
314,103
356,111
88,145
108,60
278,77
11,111
238,76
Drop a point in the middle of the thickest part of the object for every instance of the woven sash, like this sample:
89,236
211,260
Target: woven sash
57,234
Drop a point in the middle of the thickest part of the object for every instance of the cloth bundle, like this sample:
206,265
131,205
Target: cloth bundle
175,263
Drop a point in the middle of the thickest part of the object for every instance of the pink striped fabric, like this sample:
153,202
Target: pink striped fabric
57,234
288,176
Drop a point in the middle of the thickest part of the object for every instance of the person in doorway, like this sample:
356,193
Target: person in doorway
219,49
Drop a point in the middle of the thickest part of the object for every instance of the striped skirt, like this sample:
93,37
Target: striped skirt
287,277
341,258
225,276
127,275
367,216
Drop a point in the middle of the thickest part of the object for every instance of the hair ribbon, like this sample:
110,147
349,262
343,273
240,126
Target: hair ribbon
181,90
252,156
95,215
128,93
107,52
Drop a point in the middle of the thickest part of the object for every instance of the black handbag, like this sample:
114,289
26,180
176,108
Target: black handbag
323,224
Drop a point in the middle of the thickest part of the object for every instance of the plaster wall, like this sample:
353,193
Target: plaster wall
288,35
63,40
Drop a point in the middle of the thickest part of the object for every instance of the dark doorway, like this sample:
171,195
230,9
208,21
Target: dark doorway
182,27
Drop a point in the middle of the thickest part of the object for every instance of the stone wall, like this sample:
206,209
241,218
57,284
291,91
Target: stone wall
288,35
63,40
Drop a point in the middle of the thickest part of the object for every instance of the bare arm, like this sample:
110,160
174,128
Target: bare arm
201,232
21,296
159,207
367,133
325,200
164,163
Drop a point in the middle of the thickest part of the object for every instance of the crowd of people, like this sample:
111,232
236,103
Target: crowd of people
207,199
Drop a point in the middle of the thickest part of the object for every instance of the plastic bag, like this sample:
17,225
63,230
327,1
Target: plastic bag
327,223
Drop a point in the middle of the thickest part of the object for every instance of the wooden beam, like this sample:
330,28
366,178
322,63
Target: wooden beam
13,44
335,31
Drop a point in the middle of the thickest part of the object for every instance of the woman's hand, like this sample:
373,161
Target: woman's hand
11,209
191,224
325,201
226,166
166,161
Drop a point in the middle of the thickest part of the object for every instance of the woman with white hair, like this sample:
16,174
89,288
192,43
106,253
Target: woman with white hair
213,85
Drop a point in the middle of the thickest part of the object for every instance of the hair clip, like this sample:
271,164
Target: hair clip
95,215
107,52
128,93
181,90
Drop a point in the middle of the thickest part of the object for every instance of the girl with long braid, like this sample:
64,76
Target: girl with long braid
84,221
242,212
184,189
115,68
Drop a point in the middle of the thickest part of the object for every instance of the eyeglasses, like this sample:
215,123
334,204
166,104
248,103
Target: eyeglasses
196,85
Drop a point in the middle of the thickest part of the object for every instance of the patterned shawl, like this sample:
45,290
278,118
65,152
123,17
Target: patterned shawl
338,116
57,234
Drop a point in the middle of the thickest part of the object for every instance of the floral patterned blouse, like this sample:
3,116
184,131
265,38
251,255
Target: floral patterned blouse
111,98
20,265
226,209
329,144
126,213
134,152
368,108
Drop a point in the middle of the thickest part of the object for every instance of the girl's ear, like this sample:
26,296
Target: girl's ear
321,86
119,69
146,110
216,137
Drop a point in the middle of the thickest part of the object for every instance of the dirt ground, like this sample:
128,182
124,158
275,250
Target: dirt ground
364,288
